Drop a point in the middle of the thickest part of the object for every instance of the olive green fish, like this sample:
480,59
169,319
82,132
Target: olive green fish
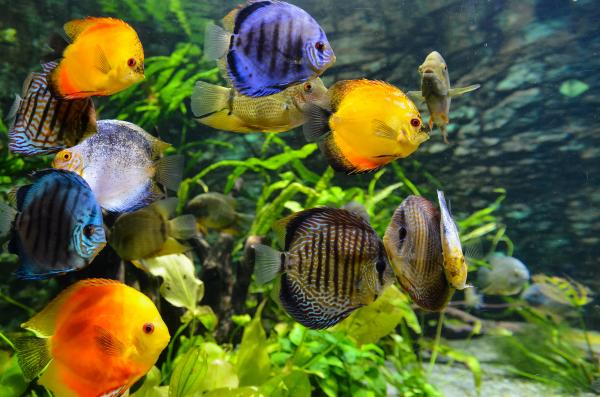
151,232
216,211
413,244
333,263
436,91
455,265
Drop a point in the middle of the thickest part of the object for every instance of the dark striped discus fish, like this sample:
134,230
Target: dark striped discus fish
58,227
413,244
43,124
266,46
333,263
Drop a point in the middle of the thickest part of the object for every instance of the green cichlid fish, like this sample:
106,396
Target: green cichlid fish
216,211
506,276
151,232
455,265
436,91
333,263
413,244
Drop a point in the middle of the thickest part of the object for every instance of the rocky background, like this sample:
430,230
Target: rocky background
533,127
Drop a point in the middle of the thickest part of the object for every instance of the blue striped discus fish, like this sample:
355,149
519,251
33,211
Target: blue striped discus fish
267,46
58,227
412,241
43,124
333,263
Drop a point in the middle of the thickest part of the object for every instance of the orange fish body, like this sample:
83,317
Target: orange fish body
369,124
102,337
105,57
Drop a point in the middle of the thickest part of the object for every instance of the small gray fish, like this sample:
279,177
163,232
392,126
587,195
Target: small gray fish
506,276
217,211
333,263
436,91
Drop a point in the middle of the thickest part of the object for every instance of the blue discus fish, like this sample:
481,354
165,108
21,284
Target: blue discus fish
58,227
43,124
267,46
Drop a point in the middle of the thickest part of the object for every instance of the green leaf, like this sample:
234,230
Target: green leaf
12,381
189,374
253,363
220,374
180,287
151,386
241,392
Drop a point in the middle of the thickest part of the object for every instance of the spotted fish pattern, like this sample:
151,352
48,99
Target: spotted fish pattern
44,124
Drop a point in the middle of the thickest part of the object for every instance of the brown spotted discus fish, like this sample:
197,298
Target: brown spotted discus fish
413,244
333,263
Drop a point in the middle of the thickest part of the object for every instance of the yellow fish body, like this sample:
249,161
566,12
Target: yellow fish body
455,265
105,57
365,125
225,109
98,337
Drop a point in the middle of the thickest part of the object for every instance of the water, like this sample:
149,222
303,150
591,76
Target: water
522,131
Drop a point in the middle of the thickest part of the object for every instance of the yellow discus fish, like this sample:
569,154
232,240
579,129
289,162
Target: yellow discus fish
365,125
105,57
225,109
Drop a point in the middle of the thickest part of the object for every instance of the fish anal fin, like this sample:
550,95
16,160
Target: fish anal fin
171,246
169,171
165,207
33,354
268,262
316,127
453,92
216,42
383,130
107,342
101,63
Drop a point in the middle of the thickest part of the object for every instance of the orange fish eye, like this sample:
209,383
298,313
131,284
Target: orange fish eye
415,122
66,156
148,328
307,87
131,62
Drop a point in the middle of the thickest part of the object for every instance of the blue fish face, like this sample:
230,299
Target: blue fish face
319,53
88,237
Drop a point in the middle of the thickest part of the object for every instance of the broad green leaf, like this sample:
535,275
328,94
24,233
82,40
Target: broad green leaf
180,287
241,392
188,374
220,374
12,382
253,363
370,323
151,386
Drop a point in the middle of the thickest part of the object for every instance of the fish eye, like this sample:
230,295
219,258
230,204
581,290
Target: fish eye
131,62
148,328
380,266
415,122
320,46
89,230
445,67
66,156
307,87
402,234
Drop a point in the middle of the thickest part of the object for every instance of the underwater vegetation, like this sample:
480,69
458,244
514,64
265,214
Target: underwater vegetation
231,334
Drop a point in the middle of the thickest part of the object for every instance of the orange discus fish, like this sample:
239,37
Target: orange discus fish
105,57
366,125
97,338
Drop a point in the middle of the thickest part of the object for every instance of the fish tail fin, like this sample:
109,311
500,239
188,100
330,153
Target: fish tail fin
316,125
33,354
183,227
268,262
209,98
453,92
216,42
169,171
7,217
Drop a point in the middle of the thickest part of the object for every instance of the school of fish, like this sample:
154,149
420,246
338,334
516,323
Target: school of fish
111,180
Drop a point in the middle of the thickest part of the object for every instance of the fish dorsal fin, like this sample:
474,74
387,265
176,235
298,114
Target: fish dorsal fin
101,62
75,27
416,96
463,90
383,130
166,207
169,171
107,342
33,355
246,11
316,127
286,228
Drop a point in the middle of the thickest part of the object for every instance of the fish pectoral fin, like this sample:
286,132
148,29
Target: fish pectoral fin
183,227
462,90
268,262
209,98
416,96
101,62
107,343
383,130
169,171
33,354
216,42
316,125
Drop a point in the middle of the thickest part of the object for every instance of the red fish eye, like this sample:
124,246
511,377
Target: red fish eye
148,328
131,62
66,156
320,46
307,87
415,122
89,230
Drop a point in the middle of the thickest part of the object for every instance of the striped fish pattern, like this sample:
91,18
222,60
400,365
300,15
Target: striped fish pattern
273,45
334,263
412,241
43,124
59,225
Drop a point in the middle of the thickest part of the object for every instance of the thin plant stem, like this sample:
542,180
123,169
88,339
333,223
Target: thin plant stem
436,343
18,304
7,341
